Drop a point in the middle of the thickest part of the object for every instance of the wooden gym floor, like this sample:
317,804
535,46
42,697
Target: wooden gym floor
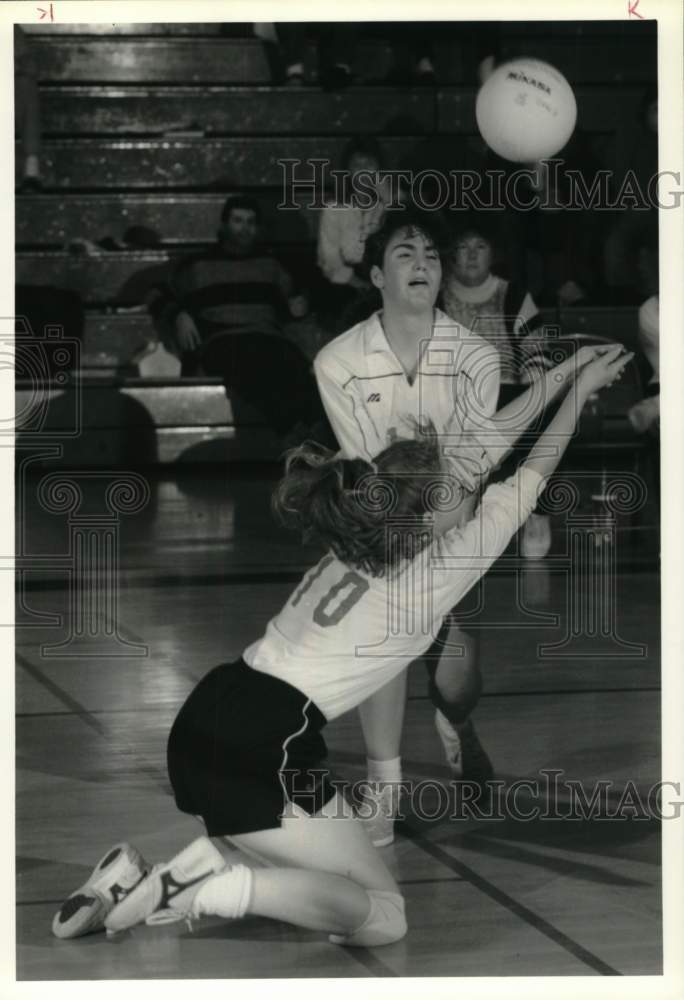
201,569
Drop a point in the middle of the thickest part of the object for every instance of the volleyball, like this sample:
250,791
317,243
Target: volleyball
526,111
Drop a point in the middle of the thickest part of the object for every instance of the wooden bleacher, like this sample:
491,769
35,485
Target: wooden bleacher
118,103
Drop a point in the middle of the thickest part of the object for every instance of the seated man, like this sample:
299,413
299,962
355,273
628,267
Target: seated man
223,313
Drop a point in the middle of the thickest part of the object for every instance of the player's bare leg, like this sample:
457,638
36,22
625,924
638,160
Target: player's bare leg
382,720
325,876
323,870
455,684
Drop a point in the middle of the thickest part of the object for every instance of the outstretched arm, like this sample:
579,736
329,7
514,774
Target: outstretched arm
600,372
513,420
478,444
470,462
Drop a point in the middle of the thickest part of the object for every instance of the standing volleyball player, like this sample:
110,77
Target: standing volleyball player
245,750
402,363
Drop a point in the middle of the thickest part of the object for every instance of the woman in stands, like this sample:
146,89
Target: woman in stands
245,750
503,313
345,296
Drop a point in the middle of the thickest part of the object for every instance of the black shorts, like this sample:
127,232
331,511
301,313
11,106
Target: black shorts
242,746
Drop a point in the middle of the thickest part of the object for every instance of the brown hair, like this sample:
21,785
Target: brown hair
348,505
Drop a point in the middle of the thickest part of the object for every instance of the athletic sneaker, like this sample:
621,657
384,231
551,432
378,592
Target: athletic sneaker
536,536
378,811
168,891
465,755
114,876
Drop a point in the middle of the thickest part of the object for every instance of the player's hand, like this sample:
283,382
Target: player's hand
603,370
187,334
571,367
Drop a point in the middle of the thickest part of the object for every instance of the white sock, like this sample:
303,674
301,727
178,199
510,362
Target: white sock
440,718
227,894
384,770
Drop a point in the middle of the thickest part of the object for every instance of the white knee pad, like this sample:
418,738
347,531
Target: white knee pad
384,924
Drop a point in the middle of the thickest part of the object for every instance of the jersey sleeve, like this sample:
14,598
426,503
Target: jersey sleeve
472,442
356,433
463,556
484,369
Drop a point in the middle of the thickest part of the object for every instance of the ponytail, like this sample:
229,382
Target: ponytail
321,497
345,504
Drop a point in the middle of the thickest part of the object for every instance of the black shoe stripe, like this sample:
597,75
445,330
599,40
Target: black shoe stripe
171,888
110,857
73,905
118,892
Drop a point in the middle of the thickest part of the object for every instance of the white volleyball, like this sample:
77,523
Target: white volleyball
526,110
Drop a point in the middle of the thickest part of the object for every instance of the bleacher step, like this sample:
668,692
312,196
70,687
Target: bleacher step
250,110
114,341
176,218
259,110
99,59
130,447
123,278
98,164
593,58
168,402
93,28
139,421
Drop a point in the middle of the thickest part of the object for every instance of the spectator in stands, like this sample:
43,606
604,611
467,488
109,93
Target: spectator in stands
27,111
335,43
411,44
475,48
645,415
503,313
222,314
346,295
631,227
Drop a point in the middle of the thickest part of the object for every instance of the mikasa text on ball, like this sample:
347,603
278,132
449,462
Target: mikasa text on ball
526,110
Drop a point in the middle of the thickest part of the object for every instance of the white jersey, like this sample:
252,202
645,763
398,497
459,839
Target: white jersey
368,397
344,634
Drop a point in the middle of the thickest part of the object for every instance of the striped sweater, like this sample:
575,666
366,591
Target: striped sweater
228,294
